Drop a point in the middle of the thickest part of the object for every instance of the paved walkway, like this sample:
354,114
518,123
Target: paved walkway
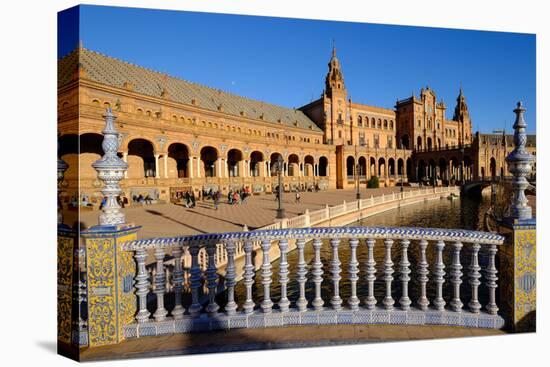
273,338
173,220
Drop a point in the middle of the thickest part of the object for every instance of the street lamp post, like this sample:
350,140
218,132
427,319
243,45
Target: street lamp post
280,209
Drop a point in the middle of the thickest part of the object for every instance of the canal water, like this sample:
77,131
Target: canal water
464,213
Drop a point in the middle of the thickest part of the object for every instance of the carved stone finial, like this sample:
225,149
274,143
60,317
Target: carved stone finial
519,165
110,169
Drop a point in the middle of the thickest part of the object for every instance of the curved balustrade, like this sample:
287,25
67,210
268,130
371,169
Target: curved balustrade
203,307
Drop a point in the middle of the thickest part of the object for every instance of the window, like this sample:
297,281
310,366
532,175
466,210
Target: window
362,139
376,141
385,124
359,121
379,123
390,142
373,122
391,124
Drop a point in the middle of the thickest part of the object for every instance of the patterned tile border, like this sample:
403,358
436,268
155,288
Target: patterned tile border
325,317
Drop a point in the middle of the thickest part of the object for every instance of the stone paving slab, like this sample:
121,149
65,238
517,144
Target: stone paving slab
164,220
274,338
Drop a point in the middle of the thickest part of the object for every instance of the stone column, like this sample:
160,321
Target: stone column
219,164
157,170
125,159
190,167
199,164
165,165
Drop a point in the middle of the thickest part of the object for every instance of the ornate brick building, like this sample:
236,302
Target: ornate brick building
177,135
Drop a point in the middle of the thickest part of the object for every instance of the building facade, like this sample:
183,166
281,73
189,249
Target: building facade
178,136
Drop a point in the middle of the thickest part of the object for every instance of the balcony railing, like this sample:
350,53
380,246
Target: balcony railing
389,299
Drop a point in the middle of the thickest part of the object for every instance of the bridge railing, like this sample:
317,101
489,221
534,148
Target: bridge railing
196,304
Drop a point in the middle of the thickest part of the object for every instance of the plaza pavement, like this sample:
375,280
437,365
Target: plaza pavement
162,220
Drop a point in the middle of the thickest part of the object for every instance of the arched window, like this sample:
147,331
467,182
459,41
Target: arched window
385,124
391,124
373,122
359,121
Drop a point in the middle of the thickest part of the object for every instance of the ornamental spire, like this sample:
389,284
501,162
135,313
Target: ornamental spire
519,165
110,169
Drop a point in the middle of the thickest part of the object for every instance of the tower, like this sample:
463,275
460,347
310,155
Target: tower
462,116
337,121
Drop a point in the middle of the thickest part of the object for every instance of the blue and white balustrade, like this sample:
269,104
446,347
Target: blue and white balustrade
200,296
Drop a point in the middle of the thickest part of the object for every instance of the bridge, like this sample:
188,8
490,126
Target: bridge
117,288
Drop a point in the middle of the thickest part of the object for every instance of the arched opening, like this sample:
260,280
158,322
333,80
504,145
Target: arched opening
234,158
274,163
209,155
493,168
372,167
382,167
362,167
442,174
350,162
391,167
323,166
256,159
309,162
468,168
141,159
421,174
438,143
405,141
429,144
400,167
178,159
293,165
419,143
432,170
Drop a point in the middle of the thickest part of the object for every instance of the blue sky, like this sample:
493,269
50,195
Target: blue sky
284,61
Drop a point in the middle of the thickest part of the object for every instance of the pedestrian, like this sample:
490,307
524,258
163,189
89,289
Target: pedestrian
187,199
217,198
297,197
193,200
103,202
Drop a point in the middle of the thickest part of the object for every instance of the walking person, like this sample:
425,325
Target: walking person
297,196
193,200
217,198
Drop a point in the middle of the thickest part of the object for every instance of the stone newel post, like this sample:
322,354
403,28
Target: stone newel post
519,165
110,270
110,169
518,255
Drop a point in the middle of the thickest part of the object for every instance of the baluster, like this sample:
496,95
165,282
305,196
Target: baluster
492,281
317,275
195,279
371,271
474,275
266,304
353,270
404,265
439,273
168,279
160,285
388,271
301,275
423,272
177,278
142,285
248,274
211,279
283,275
336,300
456,275
230,275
